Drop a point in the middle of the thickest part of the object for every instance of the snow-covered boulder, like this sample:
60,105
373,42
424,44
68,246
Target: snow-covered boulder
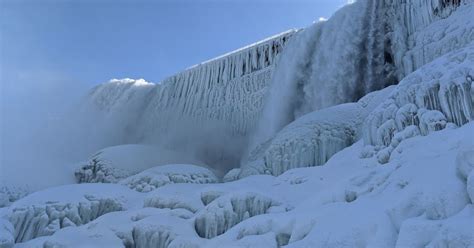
226,211
435,96
312,139
159,176
118,162
45,212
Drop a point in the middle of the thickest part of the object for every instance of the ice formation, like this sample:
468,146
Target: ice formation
312,139
159,176
225,212
425,101
44,213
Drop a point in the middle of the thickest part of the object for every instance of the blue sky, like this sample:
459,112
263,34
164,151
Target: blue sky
92,41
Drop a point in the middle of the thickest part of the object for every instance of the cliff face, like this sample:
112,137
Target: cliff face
197,110
229,88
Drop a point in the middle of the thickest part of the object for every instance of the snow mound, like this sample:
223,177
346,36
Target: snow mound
118,162
159,176
438,95
312,139
45,212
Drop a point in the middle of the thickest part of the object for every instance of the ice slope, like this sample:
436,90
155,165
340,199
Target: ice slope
417,199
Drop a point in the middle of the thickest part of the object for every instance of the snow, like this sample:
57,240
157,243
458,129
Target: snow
353,201
159,176
118,162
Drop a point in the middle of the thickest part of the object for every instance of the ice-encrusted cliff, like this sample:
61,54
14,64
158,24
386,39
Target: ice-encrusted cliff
194,111
363,47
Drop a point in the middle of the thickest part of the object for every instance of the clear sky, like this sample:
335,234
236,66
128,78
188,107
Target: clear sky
93,41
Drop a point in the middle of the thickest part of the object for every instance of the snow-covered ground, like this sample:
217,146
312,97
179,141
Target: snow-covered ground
330,155
422,197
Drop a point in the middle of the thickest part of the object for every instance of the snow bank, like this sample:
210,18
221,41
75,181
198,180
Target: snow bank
159,176
118,162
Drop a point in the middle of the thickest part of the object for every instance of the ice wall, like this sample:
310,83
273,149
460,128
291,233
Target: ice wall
228,88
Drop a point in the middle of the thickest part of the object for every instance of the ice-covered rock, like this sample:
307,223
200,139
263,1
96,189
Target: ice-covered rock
225,212
232,175
158,176
112,164
45,212
430,98
312,139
